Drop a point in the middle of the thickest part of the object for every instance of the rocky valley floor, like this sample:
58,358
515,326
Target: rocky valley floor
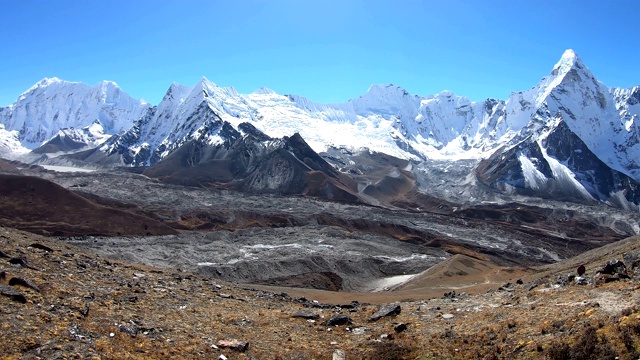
60,301
130,267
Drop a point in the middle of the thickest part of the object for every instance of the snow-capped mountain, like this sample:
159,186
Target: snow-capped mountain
387,119
53,104
577,139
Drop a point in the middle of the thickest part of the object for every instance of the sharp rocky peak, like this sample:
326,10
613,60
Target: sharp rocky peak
569,60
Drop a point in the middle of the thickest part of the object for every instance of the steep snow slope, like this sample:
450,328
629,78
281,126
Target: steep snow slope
10,146
53,104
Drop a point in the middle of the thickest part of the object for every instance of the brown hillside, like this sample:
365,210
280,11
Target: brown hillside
40,206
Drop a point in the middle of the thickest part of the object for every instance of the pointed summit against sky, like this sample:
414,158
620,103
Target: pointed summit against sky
568,61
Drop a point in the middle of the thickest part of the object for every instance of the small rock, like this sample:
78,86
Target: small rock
131,330
532,286
222,357
354,304
338,319
225,296
447,316
385,310
234,344
306,315
4,254
400,327
579,280
3,275
339,354
450,295
581,270
12,294
41,247
242,322
359,330
23,282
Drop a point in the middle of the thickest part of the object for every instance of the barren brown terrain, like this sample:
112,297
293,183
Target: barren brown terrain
61,301
143,269
37,205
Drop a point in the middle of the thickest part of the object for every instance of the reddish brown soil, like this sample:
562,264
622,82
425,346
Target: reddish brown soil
38,205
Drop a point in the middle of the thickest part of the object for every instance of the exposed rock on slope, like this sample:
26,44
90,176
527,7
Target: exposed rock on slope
255,163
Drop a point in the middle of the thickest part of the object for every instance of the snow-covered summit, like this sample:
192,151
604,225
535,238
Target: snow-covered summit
53,104
386,118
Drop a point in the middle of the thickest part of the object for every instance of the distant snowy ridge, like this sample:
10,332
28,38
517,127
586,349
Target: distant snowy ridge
53,104
385,119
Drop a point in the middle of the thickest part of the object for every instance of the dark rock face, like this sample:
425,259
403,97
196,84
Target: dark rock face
591,172
59,143
255,163
504,170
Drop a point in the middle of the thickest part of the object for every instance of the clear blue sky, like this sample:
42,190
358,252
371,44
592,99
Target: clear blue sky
328,51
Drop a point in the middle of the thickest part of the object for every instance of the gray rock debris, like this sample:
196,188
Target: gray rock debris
385,310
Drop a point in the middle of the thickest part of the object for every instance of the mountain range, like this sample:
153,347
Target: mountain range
568,137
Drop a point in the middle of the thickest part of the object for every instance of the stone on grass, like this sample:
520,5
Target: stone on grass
385,310
306,315
41,247
234,344
400,327
12,294
338,319
23,282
